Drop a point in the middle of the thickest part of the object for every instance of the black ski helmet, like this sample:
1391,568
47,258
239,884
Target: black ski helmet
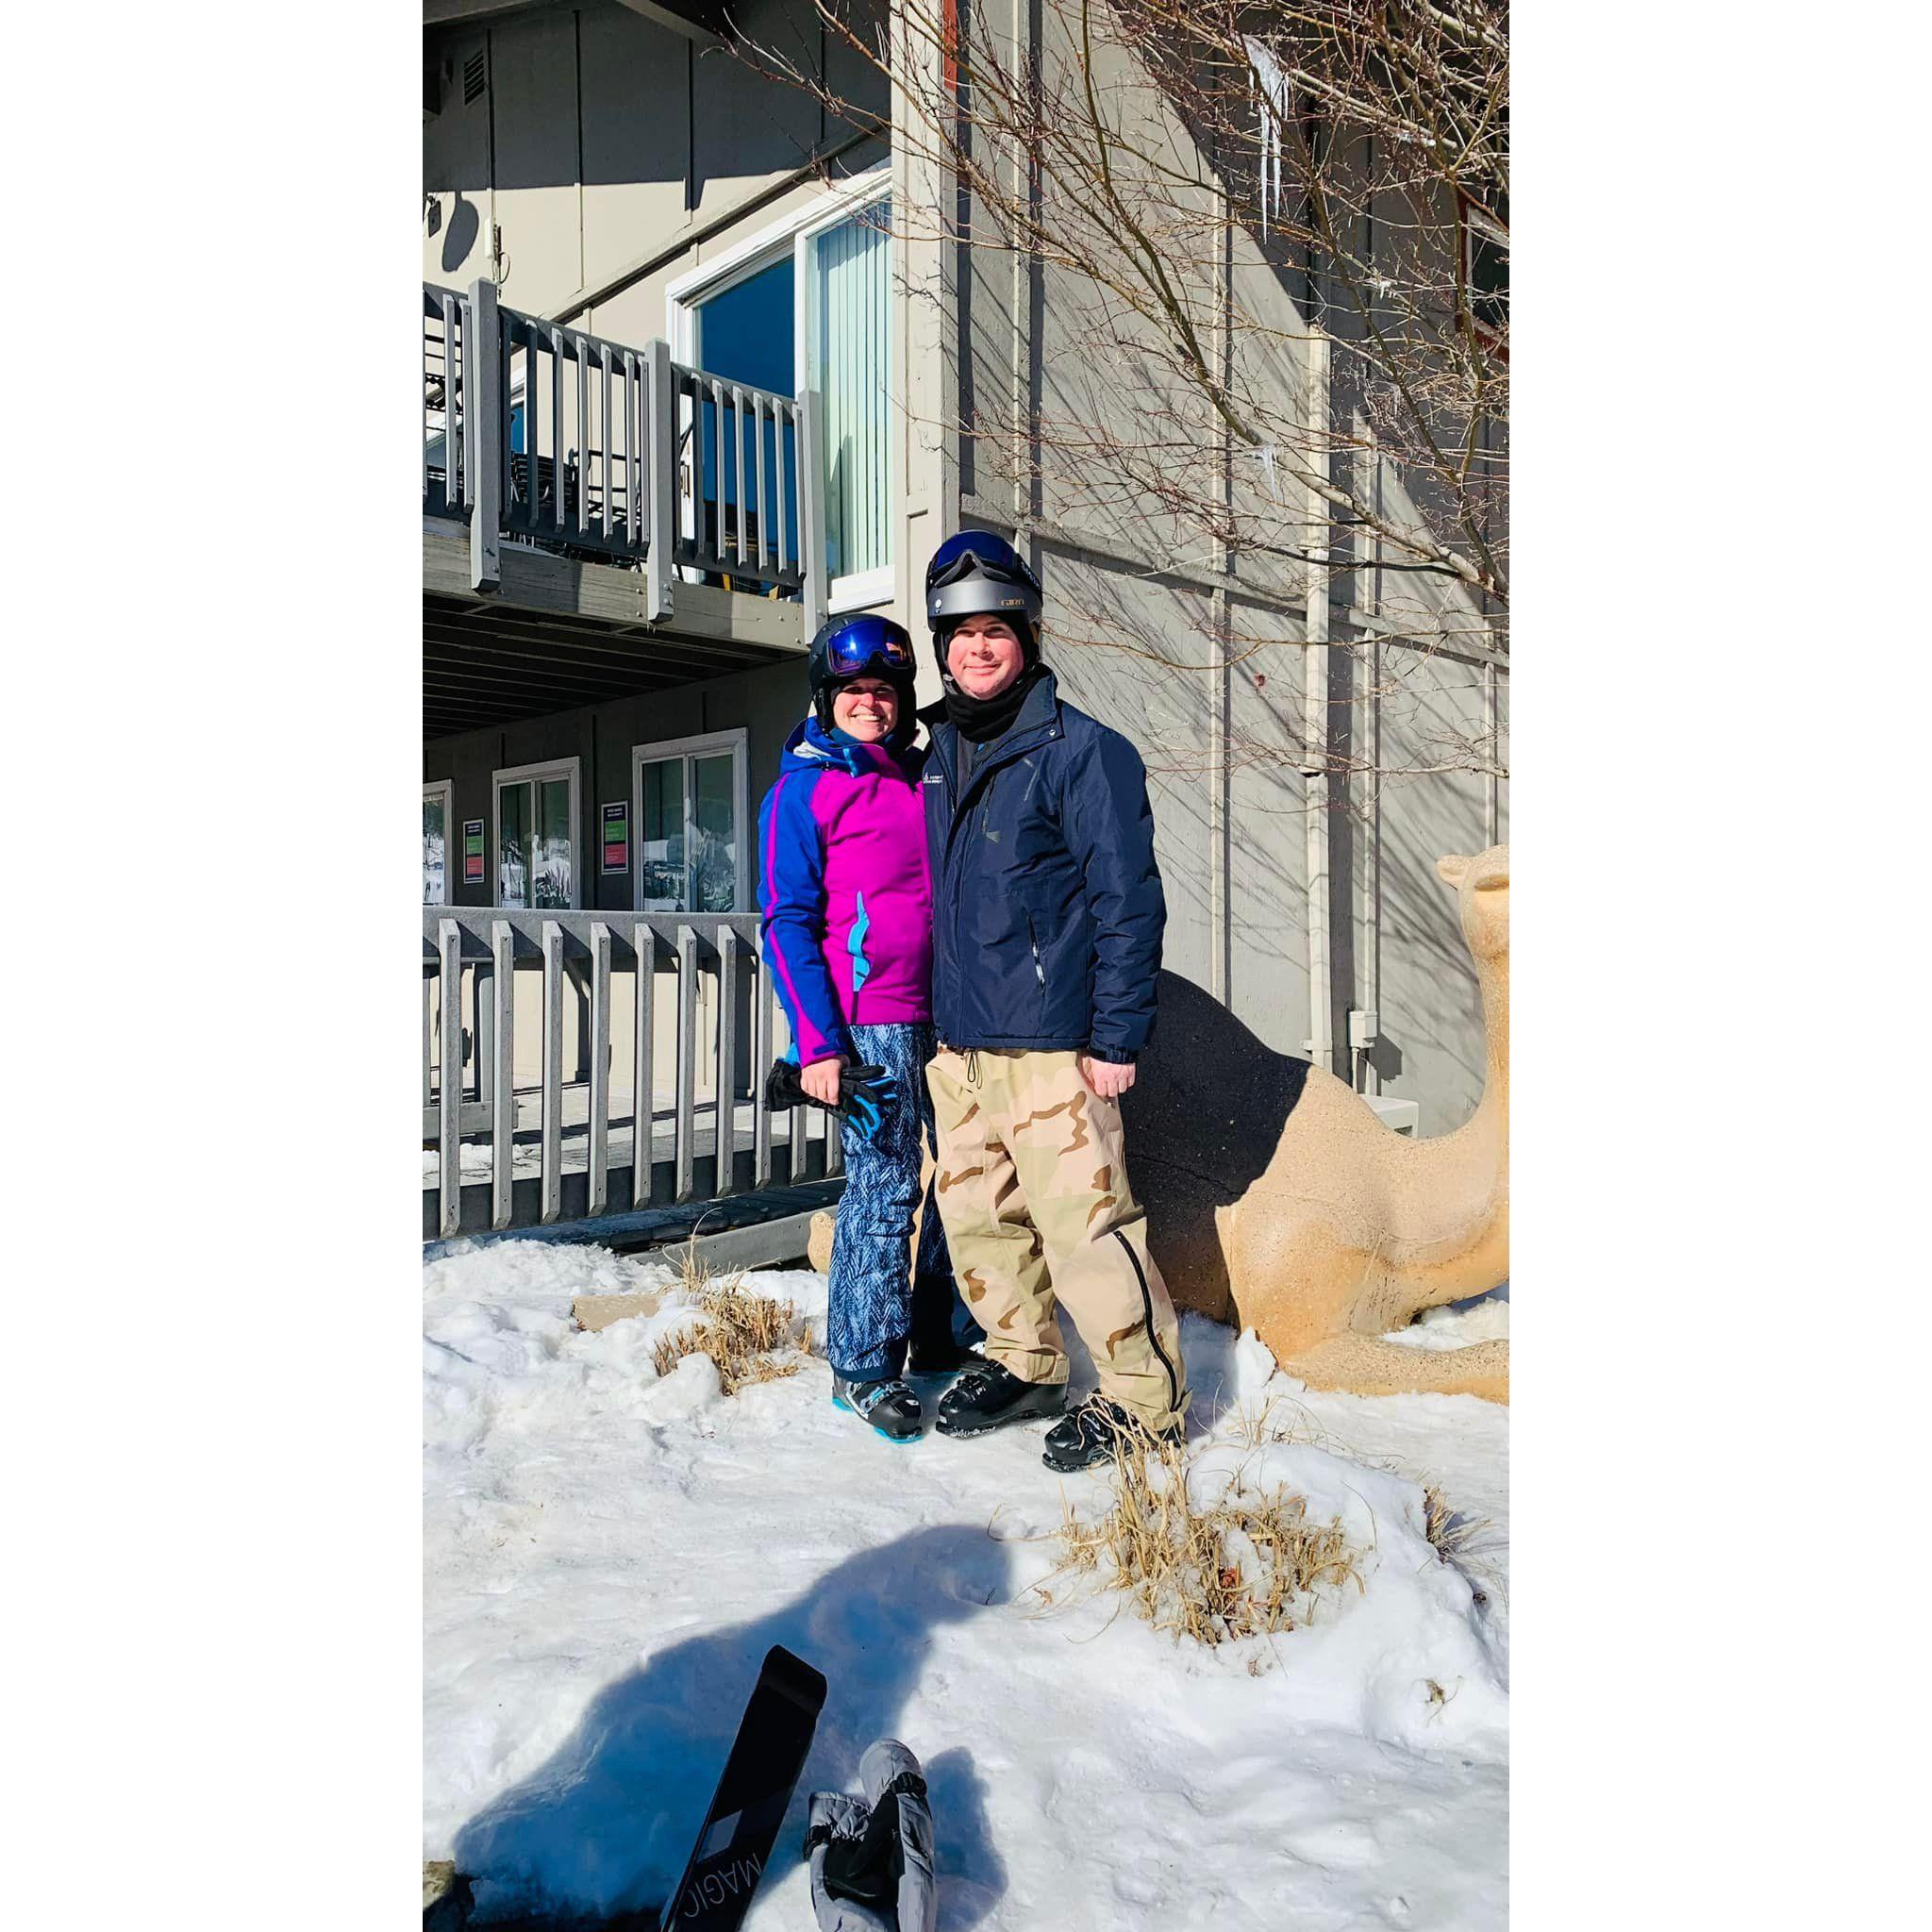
976,574
862,645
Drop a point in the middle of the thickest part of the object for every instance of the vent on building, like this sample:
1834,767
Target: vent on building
475,78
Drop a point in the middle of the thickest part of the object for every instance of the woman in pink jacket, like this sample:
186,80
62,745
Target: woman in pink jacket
847,936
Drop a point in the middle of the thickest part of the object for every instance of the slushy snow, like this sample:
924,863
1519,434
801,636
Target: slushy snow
608,1554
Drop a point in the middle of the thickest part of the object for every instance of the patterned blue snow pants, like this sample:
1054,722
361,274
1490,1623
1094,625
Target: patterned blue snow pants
873,1309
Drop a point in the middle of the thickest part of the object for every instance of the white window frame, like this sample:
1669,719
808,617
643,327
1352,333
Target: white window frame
686,294
704,744
570,768
444,789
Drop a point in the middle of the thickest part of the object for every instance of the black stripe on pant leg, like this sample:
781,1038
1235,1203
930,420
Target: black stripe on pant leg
1173,1387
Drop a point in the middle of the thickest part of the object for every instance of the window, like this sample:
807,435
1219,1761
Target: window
537,836
745,331
435,823
806,304
848,353
693,837
1486,263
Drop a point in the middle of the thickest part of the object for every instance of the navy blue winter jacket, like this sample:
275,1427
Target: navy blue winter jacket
1047,908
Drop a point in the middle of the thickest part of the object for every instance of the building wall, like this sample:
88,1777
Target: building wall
600,139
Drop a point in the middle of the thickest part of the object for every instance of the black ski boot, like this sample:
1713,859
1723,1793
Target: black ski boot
890,1406
988,1397
1088,1434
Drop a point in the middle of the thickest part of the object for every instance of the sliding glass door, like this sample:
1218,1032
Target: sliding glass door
536,836
692,851
808,305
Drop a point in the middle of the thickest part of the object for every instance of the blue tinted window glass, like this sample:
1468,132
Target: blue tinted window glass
745,333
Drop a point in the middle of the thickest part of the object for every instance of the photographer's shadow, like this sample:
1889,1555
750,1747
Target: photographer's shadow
611,1818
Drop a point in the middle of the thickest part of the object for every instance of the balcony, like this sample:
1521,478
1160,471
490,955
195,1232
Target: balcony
600,520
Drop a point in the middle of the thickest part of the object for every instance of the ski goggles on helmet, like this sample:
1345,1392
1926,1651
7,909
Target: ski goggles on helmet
849,646
974,575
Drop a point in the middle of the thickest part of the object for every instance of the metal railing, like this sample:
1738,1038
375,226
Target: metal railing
615,454
743,515
676,1008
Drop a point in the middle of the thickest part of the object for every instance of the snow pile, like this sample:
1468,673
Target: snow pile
1388,1653
1484,1318
609,1555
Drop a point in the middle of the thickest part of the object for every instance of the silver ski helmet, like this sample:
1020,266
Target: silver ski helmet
973,575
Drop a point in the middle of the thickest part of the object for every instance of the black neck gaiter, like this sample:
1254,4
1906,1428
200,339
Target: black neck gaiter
979,720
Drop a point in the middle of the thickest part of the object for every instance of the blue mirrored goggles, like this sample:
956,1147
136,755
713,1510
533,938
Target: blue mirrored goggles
871,639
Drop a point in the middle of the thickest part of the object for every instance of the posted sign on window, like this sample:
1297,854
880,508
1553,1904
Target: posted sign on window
617,837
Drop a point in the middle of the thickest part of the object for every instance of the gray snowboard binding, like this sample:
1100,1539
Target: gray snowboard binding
871,1857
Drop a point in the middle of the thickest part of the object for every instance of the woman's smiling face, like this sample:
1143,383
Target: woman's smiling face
867,708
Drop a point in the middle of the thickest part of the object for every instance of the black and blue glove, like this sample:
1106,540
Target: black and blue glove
866,1093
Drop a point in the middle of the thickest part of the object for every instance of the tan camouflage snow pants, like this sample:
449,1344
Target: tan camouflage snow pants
1032,1187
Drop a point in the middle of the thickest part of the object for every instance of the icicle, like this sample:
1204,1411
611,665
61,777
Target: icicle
1269,85
1265,132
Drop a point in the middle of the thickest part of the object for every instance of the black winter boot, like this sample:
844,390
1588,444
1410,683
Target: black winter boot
988,1396
1088,1436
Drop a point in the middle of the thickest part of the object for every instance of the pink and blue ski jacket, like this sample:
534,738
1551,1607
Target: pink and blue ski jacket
846,892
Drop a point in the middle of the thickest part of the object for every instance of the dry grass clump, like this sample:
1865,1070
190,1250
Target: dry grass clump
749,1336
1246,1565
1450,1533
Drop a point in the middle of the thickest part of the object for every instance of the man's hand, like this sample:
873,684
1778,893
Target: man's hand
1107,1080
820,1079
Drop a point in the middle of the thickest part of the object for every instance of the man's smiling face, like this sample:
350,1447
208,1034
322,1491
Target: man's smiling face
984,655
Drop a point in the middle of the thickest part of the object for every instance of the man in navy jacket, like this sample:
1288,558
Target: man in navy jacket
1047,917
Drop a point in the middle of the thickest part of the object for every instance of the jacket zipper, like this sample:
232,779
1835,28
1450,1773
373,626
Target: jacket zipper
953,809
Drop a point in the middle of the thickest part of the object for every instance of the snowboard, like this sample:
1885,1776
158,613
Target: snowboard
748,1806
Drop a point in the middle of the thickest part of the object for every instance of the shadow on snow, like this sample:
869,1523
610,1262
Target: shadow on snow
608,1821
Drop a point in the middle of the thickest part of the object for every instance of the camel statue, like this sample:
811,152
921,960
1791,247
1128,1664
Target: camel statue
1276,1200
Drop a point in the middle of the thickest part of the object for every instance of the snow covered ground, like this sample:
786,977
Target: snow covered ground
609,1554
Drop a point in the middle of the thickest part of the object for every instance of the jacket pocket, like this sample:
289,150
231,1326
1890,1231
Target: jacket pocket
1062,963
1040,996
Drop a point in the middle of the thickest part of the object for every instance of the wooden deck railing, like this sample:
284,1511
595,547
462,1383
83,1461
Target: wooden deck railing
642,1087
616,454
